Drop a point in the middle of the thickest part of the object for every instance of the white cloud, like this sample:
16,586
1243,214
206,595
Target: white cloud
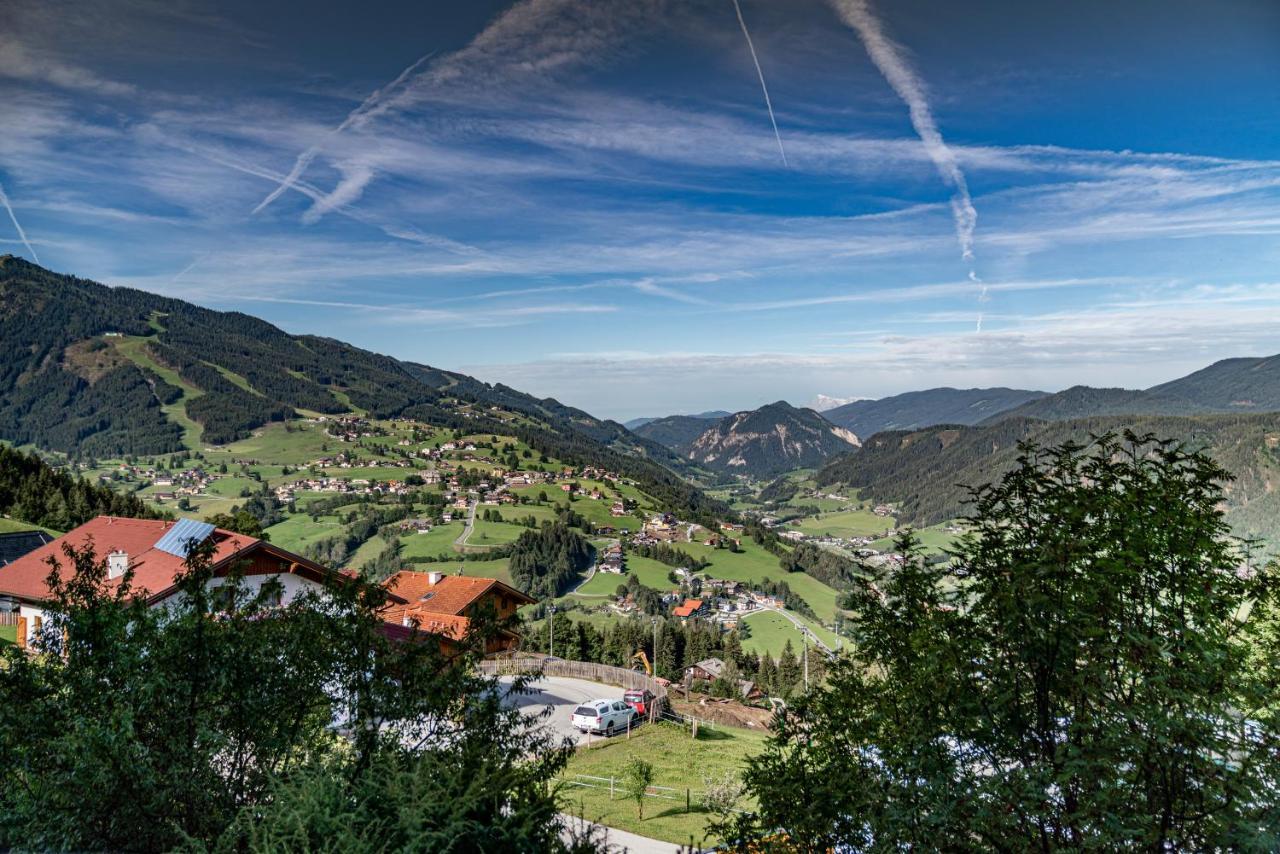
19,62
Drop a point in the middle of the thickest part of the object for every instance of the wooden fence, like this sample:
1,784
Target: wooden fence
607,674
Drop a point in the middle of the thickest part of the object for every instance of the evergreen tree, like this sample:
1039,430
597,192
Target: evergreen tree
210,724
789,672
1098,672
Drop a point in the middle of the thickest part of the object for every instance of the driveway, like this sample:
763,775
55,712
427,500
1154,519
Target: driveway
563,695
620,841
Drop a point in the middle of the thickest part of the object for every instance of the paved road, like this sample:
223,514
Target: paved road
591,570
563,695
471,523
622,841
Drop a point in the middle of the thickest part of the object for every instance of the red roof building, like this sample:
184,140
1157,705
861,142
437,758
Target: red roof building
690,608
444,605
155,551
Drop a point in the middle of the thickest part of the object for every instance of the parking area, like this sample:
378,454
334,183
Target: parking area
564,695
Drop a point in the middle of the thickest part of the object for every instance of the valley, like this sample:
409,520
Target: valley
372,465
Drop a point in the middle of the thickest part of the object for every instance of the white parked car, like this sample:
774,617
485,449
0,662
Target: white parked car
606,716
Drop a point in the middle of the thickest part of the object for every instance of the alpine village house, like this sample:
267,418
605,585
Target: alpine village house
420,603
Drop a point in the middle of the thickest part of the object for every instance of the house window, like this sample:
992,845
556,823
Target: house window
223,598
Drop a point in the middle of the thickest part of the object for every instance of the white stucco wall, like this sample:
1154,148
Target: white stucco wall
293,587
31,612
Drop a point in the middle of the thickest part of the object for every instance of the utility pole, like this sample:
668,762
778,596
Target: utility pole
804,634
553,630
655,647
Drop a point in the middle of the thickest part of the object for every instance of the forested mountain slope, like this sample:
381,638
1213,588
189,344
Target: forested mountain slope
916,409
677,432
927,472
1087,402
710,415
91,370
1238,385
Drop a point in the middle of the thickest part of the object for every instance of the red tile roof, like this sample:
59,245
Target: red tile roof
437,609
452,594
413,616
688,609
154,570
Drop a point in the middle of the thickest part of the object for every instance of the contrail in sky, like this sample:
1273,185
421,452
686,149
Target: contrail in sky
353,119
4,199
763,87
888,57
982,296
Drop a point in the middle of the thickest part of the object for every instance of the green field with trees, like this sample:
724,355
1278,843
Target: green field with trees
679,763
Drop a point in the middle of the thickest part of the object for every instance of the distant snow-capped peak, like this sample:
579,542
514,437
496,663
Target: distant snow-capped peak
824,402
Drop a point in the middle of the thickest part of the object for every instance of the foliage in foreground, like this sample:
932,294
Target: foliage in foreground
1100,673
225,722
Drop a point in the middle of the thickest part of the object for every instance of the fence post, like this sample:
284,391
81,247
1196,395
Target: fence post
610,787
686,800
694,728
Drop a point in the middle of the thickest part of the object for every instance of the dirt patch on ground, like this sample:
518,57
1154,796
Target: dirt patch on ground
731,713
92,359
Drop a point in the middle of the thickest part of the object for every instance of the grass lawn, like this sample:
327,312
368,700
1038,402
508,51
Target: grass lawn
826,505
770,632
438,541
494,533
650,572
518,512
475,568
368,551
754,564
602,584
934,539
230,486
8,634
293,445
679,763
298,531
10,526
847,523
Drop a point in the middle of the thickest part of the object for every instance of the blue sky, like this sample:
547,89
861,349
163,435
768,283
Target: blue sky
587,200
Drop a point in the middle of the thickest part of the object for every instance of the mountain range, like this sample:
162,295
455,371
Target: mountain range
927,473
90,370
759,443
94,371
710,415
916,409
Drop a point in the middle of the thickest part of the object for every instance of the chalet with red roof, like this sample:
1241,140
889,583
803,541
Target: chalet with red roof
690,608
445,605
156,551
